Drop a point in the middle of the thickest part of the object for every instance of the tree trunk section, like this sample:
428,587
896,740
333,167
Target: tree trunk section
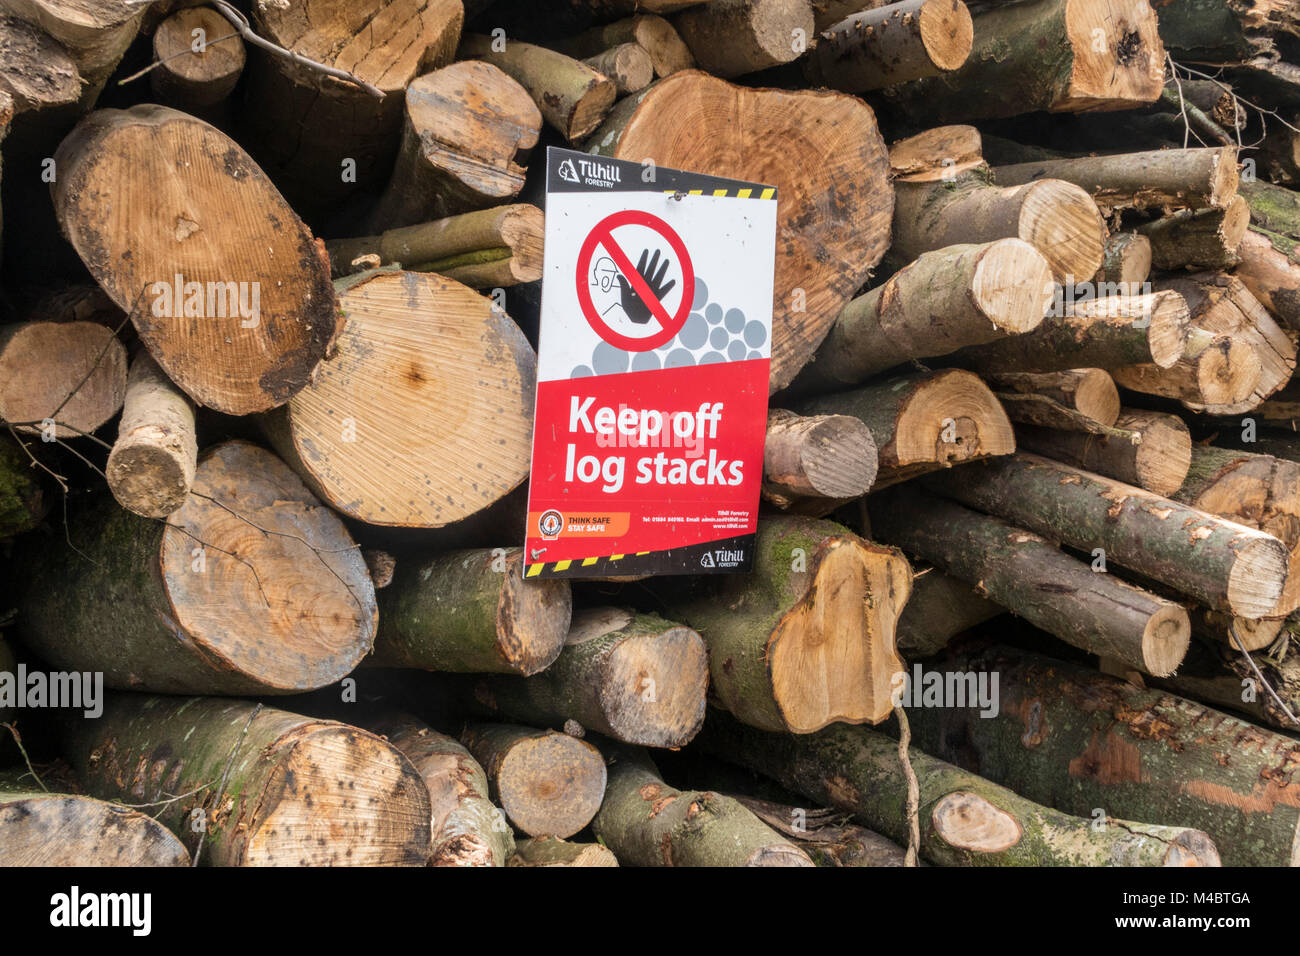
1125,264
668,53
627,64
1270,269
892,44
729,38
1199,238
548,851
1090,392
72,374
1218,371
151,467
190,80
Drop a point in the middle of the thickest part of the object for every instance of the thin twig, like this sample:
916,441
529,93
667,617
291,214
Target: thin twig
913,788
18,739
1232,632
167,59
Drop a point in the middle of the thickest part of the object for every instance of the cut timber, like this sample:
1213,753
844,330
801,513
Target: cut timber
467,132
1237,632
1058,55
668,53
965,820
1089,391
1273,208
1218,675
627,64
549,784
35,70
936,154
95,34
1223,305
633,677
1125,264
808,638
467,829
825,837
151,467
572,96
1259,491
940,608
731,37
60,829
311,130
1104,333
425,414
833,216
1076,739
923,421
1159,179
1216,371
645,822
1222,564
189,79
892,44
1152,451
484,250
825,458
945,300
252,587
1226,30
472,612
1270,269
1057,218
71,373
23,498
1033,409
1200,238
224,283
1059,594
270,787
549,851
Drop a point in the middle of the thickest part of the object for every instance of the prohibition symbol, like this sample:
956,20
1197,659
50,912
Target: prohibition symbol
645,285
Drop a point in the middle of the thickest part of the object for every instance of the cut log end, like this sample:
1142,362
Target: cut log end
551,784
649,676
1162,458
1165,640
1192,848
1120,69
532,619
1061,220
73,373
55,829
1258,577
947,32
1013,285
825,655
952,419
1096,396
968,821
1168,332
1228,371
780,854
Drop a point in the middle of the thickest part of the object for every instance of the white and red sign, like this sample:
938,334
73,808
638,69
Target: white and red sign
652,370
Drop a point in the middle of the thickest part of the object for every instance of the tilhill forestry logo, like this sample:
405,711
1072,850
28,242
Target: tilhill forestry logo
180,299
37,689
75,909
945,689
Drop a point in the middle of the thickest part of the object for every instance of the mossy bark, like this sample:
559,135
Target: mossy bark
23,500
940,608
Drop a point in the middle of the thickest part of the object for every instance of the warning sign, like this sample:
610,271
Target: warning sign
652,370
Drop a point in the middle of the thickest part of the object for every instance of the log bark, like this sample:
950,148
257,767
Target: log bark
941,153
196,80
816,461
70,373
892,44
668,53
573,98
548,851
694,121
808,638
824,836
467,132
628,65
63,829
467,828
1159,179
488,249
1106,333
633,677
1217,674
1226,30
924,421
1089,392
1125,263
24,499
1045,412
1048,55
1199,239
945,300
1223,305
731,37
1237,632
1153,451
940,608
307,126
151,467
1222,564
648,823
258,786
95,35
1259,491
1095,612
1270,270
965,820
549,784
1057,218
1215,371
149,194
1074,738
1273,208
251,587
376,436
472,612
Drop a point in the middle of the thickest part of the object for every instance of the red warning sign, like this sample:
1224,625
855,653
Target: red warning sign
646,287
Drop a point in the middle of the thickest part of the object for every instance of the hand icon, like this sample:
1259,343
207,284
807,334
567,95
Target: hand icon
653,272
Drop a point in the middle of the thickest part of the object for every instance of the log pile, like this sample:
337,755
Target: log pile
268,365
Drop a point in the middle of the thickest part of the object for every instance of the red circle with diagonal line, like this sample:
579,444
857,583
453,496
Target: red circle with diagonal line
602,235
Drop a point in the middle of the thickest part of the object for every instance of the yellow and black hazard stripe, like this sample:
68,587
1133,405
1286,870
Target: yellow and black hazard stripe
595,567
747,193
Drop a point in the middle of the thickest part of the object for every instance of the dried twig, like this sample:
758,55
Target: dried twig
913,788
